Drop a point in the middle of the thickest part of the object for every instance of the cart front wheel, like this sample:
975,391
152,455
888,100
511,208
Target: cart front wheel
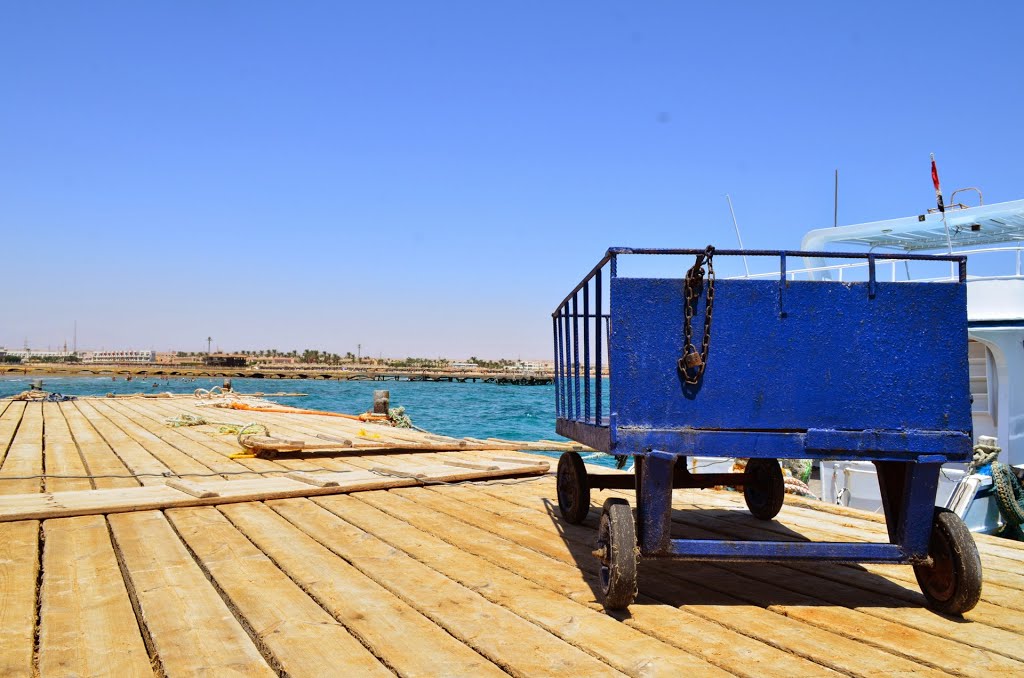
952,582
616,548
573,488
764,488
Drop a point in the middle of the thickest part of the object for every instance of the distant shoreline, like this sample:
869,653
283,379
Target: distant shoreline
289,372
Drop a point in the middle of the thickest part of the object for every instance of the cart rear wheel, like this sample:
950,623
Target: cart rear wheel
616,548
573,488
764,488
952,582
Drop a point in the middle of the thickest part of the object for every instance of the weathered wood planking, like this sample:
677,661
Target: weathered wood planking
24,463
302,638
19,569
179,493
9,421
571,570
801,597
83,590
148,469
592,631
389,626
192,629
404,578
100,459
62,457
492,630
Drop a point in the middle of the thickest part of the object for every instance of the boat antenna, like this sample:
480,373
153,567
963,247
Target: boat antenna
835,202
739,239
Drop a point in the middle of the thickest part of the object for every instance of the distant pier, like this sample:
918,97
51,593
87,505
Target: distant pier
298,372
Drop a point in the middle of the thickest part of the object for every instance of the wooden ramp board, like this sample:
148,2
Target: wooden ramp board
180,493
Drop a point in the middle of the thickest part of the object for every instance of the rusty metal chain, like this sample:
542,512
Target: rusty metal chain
692,364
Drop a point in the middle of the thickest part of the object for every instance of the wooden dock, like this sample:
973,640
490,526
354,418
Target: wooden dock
458,579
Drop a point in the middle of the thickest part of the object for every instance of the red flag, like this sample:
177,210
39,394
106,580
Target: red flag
938,190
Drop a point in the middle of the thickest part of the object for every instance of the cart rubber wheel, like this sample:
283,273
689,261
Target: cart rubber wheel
573,488
764,488
952,582
616,548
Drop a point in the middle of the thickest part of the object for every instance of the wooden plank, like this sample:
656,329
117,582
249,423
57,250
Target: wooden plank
302,638
170,456
317,479
503,637
402,637
14,507
190,626
100,460
192,489
184,493
449,474
25,456
62,457
598,634
148,469
9,422
19,569
87,625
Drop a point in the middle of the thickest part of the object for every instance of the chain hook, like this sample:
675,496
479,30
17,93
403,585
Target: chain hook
691,366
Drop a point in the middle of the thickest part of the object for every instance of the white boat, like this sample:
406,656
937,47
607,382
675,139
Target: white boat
992,238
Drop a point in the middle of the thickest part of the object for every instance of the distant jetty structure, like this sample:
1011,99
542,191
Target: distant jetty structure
505,377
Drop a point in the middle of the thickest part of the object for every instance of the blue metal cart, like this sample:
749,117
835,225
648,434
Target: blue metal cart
766,370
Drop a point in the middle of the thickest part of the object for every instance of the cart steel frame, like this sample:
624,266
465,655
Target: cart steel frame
868,370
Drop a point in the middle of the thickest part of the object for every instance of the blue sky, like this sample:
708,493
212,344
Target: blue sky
431,178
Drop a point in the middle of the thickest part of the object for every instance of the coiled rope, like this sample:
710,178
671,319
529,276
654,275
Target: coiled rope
1009,494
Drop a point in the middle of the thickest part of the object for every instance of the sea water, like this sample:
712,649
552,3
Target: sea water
475,410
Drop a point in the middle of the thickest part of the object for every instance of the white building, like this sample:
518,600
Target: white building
119,357
34,354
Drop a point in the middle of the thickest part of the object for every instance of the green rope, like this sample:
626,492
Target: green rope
398,418
1009,494
251,429
983,454
224,427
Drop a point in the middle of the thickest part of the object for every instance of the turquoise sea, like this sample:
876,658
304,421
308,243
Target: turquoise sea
475,410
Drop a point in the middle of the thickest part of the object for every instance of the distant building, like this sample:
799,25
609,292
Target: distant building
529,366
462,365
225,360
274,360
119,357
28,354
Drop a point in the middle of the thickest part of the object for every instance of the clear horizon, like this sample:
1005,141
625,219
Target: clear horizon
426,181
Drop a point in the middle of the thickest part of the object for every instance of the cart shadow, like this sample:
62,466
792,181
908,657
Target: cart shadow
742,583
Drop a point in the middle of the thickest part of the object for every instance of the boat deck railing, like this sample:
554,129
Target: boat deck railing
841,270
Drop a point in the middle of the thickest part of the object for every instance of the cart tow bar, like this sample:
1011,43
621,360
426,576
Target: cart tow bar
692,364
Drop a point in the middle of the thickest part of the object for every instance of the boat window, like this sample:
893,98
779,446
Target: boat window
983,383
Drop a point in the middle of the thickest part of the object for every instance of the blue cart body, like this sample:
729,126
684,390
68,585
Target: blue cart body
868,370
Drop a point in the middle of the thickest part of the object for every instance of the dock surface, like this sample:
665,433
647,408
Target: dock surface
473,578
